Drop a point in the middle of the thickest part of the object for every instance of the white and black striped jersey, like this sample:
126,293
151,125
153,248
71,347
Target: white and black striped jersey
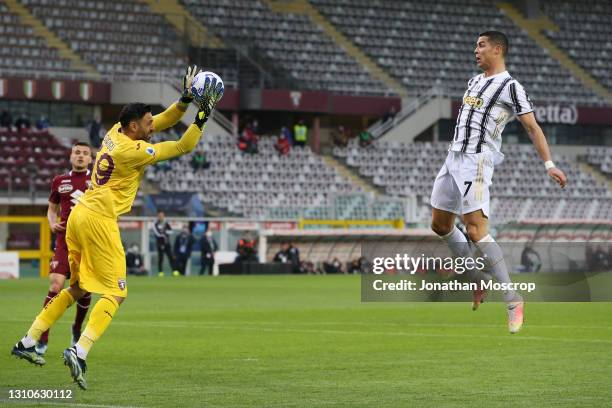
488,104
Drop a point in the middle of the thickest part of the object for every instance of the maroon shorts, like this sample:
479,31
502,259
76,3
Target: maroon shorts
59,262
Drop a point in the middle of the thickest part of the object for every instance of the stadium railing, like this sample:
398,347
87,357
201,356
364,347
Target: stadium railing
382,126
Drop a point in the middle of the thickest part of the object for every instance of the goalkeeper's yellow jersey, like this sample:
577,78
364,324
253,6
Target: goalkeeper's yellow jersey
121,162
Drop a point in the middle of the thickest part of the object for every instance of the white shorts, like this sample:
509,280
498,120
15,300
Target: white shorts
462,185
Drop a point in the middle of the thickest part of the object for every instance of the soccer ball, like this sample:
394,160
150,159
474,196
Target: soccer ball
207,85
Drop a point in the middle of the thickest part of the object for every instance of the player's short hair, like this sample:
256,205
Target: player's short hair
133,111
497,38
84,144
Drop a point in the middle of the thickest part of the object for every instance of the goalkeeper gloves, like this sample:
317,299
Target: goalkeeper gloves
187,95
211,96
200,119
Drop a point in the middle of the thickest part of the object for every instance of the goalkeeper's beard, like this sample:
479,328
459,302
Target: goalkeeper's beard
146,136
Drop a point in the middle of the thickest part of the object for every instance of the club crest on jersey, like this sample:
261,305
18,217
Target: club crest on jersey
121,283
64,188
473,101
150,150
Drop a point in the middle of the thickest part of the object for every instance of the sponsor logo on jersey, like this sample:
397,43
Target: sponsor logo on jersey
64,188
150,150
473,101
65,181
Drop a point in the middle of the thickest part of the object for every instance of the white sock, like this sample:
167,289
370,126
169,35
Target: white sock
459,246
81,352
28,342
495,258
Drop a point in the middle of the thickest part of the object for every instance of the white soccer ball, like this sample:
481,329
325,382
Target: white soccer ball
207,83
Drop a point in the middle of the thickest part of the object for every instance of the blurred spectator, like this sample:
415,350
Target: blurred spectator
287,133
6,119
134,261
308,268
600,259
282,145
282,256
162,241
530,260
42,123
198,161
247,141
335,266
183,245
95,131
208,247
357,266
365,138
247,250
390,115
300,134
340,137
255,126
294,258
23,122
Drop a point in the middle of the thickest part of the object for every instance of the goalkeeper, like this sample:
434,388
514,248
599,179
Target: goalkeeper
95,253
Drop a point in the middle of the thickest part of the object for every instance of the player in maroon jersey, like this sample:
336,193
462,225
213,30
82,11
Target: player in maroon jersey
66,190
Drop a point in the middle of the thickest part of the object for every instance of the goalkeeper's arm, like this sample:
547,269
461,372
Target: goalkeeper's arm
187,142
169,117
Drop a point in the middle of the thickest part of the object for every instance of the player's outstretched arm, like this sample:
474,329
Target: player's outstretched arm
175,112
539,141
187,142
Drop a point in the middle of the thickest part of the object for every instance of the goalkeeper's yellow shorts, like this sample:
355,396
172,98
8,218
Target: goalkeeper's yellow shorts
95,252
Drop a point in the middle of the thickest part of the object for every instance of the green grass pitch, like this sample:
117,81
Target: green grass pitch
308,341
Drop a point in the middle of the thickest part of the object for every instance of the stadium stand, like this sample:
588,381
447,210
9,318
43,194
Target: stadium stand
250,184
29,160
292,42
404,37
266,185
601,157
584,32
514,196
21,49
116,37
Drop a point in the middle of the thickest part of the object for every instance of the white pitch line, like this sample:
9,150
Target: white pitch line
328,323
180,324
257,326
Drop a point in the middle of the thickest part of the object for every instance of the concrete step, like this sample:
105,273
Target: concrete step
304,7
350,174
177,15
